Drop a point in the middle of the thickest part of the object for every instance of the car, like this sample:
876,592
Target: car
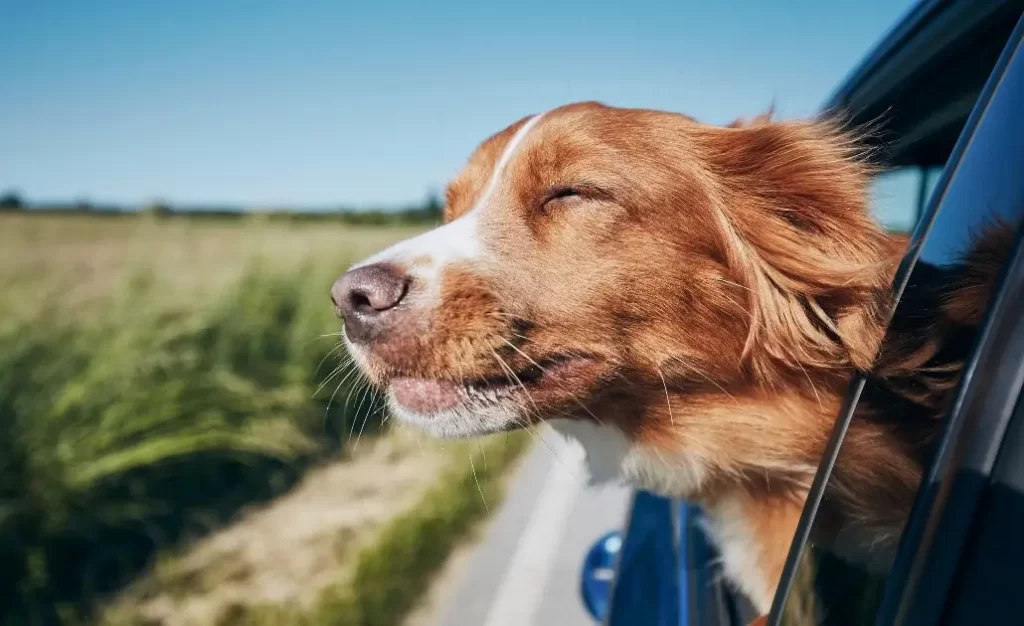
947,83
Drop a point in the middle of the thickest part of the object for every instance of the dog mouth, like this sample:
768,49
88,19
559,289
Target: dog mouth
541,382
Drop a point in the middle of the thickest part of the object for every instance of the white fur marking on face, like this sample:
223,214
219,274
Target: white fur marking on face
458,240
503,161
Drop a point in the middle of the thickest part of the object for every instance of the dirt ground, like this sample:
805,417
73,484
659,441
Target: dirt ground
288,551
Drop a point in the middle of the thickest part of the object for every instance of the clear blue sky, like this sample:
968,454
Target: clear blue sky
341,102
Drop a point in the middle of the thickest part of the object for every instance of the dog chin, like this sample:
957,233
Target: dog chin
459,422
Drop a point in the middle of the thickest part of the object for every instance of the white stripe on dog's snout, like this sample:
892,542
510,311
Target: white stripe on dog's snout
458,240
503,161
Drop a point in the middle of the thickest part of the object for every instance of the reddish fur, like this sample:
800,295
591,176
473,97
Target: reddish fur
726,283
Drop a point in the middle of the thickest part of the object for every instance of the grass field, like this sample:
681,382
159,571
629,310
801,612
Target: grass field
157,376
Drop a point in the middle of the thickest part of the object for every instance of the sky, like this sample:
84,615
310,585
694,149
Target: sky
308,104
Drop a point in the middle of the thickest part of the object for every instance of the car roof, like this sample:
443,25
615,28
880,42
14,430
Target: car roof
921,80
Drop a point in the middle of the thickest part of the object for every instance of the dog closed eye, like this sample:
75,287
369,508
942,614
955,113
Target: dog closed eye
560,195
571,194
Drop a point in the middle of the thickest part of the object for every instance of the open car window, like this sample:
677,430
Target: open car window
833,576
899,195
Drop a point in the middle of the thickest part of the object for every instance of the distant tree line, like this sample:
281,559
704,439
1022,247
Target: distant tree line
427,212
11,201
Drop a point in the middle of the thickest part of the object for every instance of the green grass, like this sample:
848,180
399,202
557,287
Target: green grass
152,410
394,572
151,425
157,377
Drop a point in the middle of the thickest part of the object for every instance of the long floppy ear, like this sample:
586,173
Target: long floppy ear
794,222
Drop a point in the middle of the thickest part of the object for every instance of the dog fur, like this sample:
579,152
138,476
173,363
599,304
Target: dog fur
690,302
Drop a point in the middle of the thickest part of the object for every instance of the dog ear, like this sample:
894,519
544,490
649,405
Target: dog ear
794,222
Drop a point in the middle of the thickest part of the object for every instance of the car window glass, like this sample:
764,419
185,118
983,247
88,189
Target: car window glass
898,196
931,180
841,576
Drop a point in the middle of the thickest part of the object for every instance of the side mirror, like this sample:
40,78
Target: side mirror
598,573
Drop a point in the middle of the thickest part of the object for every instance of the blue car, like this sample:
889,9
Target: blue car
948,83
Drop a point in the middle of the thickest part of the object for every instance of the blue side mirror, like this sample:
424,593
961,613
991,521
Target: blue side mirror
598,573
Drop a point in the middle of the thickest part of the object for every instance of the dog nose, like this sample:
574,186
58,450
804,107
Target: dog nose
362,295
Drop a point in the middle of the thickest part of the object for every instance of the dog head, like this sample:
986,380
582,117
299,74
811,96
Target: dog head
630,268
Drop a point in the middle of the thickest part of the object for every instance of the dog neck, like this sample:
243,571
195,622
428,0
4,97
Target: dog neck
749,462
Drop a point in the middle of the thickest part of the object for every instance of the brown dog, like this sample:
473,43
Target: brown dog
687,301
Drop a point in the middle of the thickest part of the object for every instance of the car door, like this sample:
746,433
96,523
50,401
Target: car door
948,542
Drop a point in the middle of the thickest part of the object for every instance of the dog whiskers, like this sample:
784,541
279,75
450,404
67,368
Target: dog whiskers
706,377
729,282
511,375
524,422
361,389
740,307
668,400
327,410
479,490
811,383
542,369
355,416
335,372
340,333
328,355
524,355
369,413
341,383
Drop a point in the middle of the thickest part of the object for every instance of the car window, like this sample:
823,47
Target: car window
898,196
990,591
841,574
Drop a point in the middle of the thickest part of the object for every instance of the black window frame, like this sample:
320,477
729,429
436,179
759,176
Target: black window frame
984,439
973,431
988,577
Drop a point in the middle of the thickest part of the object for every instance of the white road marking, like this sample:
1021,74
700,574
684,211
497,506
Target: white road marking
522,588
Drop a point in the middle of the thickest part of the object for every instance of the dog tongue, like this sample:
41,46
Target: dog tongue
426,396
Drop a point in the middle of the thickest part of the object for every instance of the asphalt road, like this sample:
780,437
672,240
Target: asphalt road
525,572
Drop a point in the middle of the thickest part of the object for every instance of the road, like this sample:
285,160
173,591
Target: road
525,572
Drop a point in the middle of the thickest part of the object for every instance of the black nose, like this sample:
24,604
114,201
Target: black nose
362,295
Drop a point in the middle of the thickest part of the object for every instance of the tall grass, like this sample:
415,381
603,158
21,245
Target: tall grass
393,573
152,422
